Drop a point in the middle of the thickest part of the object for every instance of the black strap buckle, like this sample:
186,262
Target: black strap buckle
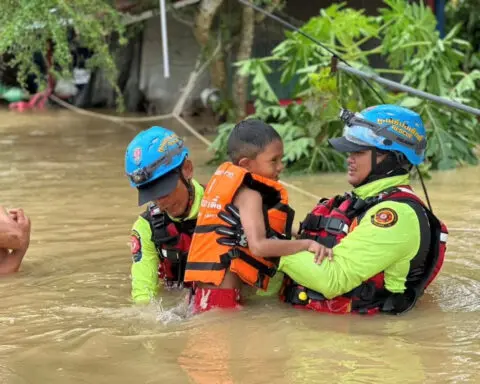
173,254
262,268
334,225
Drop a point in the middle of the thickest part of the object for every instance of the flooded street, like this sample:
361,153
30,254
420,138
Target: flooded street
66,317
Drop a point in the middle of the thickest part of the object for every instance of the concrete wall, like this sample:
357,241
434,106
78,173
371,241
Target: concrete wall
183,51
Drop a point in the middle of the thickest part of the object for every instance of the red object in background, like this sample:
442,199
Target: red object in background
431,4
39,100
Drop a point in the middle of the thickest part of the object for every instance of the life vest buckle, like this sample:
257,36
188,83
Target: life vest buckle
359,204
335,226
173,255
233,253
272,271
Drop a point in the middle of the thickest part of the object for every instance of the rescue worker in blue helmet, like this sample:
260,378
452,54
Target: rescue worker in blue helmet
387,244
157,165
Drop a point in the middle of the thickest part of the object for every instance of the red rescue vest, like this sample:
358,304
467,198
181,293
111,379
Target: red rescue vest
172,242
331,220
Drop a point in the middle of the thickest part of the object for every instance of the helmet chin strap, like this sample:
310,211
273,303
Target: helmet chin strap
388,167
191,195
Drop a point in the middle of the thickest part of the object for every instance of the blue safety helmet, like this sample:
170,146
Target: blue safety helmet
153,161
386,127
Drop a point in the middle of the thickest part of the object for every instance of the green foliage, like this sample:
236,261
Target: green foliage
27,27
411,27
464,14
406,37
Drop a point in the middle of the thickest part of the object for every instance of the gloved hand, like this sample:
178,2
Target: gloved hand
233,234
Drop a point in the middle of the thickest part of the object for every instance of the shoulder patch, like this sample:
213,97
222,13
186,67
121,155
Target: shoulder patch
136,246
384,217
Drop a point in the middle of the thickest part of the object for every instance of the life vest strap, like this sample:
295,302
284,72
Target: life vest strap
262,268
206,228
332,225
159,222
236,232
270,195
431,236
226,259
204,266
173,254
290,212
272,234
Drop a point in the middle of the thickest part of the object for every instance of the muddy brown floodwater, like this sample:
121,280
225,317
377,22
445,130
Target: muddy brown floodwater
66,317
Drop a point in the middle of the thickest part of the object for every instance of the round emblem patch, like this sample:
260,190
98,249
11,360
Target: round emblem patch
135,243
384,218
137,155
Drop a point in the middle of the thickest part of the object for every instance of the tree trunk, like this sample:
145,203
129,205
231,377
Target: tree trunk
244,53
203,23
274,4
219,73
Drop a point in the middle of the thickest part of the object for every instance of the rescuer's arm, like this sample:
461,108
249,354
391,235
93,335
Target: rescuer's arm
372,247
250,204
144,270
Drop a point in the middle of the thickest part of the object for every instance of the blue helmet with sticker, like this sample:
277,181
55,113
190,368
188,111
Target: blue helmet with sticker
386,127
152,162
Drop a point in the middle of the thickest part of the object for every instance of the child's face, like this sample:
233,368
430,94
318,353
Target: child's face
268,163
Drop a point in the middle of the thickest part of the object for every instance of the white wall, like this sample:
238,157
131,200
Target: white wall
183,51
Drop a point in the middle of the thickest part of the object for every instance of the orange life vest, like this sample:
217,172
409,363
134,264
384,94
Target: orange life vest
208,259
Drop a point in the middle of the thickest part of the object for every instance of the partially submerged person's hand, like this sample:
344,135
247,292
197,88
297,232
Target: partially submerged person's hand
9,215
23,223
4,214
12,213
320,252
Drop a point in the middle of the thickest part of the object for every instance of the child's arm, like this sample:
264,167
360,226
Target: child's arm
249,203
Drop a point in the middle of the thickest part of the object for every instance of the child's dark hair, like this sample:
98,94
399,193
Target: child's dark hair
249,138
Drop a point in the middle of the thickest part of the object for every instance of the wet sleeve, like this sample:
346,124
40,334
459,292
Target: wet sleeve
144,270
386,239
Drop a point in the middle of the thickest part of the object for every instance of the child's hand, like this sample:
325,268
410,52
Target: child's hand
320,252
